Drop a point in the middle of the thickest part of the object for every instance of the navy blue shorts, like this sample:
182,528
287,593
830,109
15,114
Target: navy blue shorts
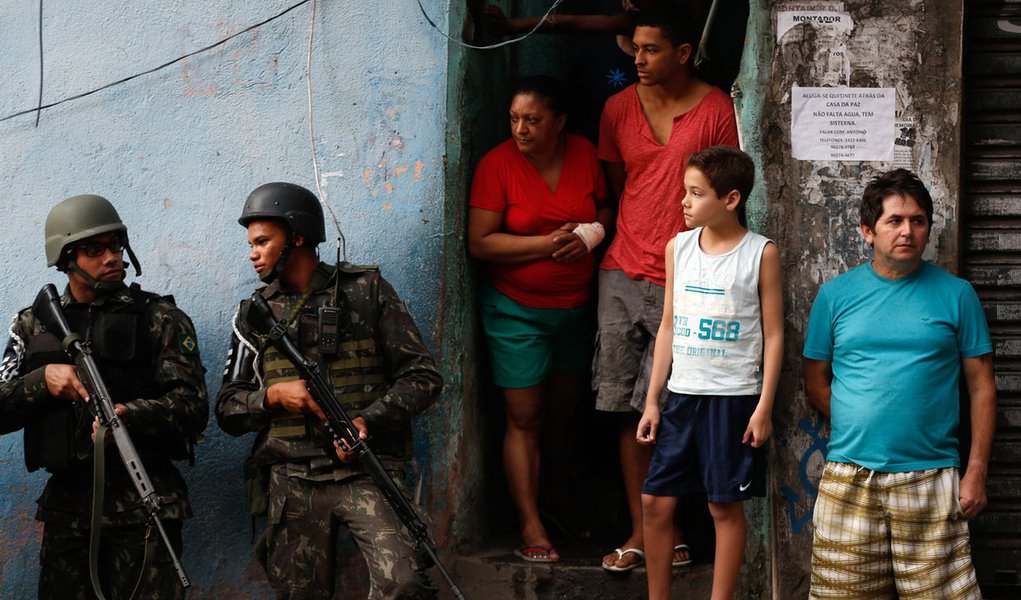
699,451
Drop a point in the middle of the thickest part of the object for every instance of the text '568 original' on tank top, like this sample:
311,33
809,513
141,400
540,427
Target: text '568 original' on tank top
717,328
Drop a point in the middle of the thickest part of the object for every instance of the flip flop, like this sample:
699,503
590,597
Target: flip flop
681,563
620,555
539,554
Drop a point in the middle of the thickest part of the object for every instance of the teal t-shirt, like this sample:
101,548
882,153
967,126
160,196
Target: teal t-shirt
896,346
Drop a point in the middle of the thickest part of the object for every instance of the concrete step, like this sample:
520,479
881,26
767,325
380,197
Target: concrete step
497,574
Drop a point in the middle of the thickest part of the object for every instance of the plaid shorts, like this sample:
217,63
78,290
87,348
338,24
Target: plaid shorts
890,535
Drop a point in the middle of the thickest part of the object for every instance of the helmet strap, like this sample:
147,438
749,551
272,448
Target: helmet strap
131,255
285,254
99,286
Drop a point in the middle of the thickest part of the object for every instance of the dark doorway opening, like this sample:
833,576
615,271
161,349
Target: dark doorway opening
594,67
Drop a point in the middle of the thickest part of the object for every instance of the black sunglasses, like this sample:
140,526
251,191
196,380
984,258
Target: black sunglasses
94,249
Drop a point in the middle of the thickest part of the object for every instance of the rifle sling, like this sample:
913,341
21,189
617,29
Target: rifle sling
96,528
280,329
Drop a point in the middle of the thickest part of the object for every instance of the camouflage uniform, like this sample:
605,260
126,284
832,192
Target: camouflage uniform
147,353
383,373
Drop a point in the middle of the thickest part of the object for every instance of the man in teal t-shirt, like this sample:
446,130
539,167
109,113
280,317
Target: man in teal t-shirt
885,347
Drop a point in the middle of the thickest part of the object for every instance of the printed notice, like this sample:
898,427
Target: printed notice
838,22
853,124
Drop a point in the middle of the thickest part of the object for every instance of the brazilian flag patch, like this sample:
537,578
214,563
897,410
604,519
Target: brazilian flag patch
187,343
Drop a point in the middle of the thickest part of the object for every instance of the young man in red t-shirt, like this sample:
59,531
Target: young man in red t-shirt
646,133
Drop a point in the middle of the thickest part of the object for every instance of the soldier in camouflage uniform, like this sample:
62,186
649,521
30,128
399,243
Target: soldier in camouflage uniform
349,320
146,350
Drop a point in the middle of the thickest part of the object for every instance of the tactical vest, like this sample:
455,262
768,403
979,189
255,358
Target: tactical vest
358,376
119,338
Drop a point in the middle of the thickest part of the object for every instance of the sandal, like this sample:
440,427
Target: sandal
681,563
620,556
540,554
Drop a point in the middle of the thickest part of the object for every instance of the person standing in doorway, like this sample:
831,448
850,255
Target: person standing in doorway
718,350
647,132
538,210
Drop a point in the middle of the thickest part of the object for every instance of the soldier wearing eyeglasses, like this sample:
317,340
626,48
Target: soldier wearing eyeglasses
147,353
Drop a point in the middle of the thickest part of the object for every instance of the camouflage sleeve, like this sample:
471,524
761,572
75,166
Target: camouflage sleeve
183,406
415,381
20,392
239,404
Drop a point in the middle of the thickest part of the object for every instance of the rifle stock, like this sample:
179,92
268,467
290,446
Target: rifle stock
264,322
47,309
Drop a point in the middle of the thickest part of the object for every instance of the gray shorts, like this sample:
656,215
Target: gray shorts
629,313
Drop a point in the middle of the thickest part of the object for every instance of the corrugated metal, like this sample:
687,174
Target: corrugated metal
991,226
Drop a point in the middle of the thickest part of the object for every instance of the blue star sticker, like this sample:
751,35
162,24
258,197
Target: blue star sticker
616,78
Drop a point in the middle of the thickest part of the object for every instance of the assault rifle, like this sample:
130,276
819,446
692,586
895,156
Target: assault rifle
47,309
340,425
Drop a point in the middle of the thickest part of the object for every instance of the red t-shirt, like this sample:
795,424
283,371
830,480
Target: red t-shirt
650,213
506,182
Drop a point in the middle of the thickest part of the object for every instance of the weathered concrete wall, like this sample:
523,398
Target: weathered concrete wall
178,150
811,207
466,115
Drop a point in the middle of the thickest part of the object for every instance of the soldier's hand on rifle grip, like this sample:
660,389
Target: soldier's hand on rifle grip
345,454
62,382
293,396
120,410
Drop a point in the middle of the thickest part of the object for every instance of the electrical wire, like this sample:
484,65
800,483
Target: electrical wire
158,68
341,240
39,109
542,20
703,54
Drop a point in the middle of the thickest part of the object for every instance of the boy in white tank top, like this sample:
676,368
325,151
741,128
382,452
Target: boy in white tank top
722,332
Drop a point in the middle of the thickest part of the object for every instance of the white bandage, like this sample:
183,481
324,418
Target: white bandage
590,233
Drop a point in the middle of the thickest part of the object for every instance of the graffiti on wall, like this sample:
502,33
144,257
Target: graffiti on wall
808,488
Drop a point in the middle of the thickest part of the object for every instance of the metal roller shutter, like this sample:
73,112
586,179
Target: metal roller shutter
991,260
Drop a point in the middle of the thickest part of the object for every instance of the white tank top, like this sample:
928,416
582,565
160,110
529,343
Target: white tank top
717,346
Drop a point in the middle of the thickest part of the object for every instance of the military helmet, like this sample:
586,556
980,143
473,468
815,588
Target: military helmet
77,218
293,204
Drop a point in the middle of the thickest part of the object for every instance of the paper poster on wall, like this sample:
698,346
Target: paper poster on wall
820,37
904,143
838,22
852,124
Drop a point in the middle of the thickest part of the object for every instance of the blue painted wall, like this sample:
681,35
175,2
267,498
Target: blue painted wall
178,150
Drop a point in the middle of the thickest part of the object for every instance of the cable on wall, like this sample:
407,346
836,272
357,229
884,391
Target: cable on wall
42,107
542,20
39,106
341,240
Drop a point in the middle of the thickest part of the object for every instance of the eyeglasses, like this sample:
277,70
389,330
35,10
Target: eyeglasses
94,249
